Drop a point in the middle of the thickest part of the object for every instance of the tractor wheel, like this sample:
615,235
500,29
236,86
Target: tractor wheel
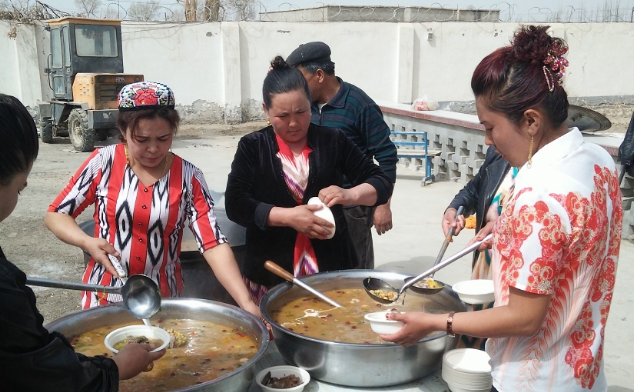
82,137
46,130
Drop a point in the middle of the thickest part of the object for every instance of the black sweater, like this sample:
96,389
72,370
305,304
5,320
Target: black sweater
31,358
256,185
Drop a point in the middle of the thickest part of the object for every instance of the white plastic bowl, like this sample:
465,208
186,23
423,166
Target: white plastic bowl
324,213
468,360
456,388
467,369
120,334
475,292
281,371
381,325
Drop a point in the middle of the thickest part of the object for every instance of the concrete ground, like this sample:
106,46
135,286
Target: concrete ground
413,244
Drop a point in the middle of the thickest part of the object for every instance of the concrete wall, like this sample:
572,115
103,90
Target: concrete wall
216,69
407,14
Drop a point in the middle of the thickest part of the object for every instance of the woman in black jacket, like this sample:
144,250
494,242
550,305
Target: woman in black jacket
31,358
278,169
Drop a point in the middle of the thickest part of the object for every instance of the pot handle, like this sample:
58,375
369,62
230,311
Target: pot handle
279,271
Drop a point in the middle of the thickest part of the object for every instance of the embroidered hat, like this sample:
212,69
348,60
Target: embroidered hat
312,52
145,95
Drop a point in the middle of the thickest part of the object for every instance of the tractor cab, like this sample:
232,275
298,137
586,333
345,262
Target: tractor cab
85,74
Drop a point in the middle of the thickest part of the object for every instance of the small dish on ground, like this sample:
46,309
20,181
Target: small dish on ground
381,325
275,378
137,334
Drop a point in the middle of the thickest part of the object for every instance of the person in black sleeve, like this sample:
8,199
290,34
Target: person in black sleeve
31,357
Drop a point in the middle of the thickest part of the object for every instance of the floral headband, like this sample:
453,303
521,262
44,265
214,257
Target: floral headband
555,65
145,95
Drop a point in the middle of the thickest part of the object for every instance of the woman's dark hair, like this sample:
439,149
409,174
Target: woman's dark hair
130,119
282,78
18,139
516,78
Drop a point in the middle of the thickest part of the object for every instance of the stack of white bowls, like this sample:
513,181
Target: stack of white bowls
467,370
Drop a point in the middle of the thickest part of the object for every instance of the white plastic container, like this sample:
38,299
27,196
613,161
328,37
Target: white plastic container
149,332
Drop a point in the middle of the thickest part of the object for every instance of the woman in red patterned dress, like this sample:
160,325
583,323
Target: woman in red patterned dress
557,240
144,195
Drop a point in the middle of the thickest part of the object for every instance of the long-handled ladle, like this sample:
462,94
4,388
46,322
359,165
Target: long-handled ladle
282,273
141,296
123,275
384,292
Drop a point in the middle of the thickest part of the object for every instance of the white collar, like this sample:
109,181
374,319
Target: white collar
555,151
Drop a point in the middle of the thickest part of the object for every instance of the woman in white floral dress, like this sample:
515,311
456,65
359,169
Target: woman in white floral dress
556,242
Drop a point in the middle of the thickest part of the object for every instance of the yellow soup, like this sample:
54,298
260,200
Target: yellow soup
212,350
312,317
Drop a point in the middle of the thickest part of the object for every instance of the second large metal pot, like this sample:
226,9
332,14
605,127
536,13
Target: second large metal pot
195,309
357,365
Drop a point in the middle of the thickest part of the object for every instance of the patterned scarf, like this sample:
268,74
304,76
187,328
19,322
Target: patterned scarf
296,170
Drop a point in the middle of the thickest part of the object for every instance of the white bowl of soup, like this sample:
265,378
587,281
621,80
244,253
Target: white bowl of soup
381,324
144,334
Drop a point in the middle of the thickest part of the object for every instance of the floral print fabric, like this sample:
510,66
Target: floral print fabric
559,236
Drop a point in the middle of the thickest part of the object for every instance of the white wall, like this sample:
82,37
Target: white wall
216,69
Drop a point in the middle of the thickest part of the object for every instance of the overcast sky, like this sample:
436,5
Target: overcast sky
511,10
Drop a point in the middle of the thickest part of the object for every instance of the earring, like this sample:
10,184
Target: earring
268,122
127,155
530,153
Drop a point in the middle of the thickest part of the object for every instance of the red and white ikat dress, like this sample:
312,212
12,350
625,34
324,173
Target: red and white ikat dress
143,222
560,236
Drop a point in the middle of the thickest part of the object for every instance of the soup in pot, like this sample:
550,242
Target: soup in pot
211,351
312,317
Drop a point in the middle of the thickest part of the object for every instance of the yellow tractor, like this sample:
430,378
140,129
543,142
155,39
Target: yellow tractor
85,72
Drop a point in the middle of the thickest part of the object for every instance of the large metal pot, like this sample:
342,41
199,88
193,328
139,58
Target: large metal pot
357,365
195,309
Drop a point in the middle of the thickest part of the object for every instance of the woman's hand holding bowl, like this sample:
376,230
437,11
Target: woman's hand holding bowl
307,223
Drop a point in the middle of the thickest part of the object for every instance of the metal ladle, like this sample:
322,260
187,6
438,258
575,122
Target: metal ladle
372,284
438,286
282,273
141,296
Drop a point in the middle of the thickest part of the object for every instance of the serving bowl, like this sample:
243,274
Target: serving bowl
150,332
238,380
282,371
381,324
381,364
475,292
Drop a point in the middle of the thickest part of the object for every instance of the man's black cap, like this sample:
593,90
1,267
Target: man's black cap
312,52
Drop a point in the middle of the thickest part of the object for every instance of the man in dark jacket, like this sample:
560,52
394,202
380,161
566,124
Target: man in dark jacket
337,104
477,195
